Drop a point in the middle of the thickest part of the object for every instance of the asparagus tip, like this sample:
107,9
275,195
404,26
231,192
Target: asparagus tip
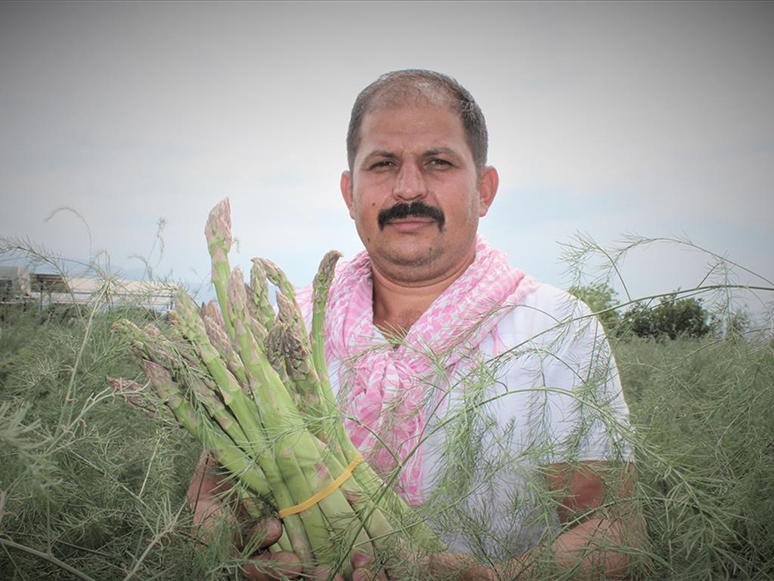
237,297
325,273
218,228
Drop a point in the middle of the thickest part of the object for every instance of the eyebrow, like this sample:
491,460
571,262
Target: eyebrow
379,153
441,151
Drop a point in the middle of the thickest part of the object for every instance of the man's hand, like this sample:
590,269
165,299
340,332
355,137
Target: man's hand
266,566
613,521
598,497
205,497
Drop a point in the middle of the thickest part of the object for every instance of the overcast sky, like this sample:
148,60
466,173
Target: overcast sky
606,118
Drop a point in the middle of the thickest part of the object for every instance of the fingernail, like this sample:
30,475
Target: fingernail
360,559
273,528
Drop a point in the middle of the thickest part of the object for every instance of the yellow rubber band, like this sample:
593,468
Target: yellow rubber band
324,492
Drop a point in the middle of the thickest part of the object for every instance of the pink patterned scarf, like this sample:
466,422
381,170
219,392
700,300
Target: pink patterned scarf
382,386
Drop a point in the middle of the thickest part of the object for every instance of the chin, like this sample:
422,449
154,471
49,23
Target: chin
415,255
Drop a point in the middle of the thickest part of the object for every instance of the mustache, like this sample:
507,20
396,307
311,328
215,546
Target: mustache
418,209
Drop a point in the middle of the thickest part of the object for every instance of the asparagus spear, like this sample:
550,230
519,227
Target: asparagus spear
215,329
278,278
275,353
259,305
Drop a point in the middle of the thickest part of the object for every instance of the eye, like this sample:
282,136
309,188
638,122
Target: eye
438,162
382,163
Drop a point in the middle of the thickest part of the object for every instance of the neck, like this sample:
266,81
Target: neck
398,306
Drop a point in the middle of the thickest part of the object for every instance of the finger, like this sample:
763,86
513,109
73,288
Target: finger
364,574
263,534
323,573
364,568
453,565
361,559
271,566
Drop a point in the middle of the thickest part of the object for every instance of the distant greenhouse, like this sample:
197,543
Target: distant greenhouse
18,285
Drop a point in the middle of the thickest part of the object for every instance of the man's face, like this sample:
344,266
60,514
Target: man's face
414,193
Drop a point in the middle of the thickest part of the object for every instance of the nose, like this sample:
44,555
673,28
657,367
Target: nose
409,183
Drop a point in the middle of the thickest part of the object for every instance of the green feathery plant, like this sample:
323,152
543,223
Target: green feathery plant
94,489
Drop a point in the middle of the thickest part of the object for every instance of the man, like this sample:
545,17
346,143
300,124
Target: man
484,390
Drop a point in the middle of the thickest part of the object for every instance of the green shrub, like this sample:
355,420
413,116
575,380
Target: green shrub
95,485
706,454
86,480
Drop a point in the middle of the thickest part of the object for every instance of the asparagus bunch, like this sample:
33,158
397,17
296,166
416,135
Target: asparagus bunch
252,386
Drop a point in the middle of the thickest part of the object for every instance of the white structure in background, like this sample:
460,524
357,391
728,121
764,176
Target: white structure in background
14,282
17,285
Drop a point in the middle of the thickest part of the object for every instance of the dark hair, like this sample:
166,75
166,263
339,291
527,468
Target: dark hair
398,87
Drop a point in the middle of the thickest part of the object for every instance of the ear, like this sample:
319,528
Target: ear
346,192
490,181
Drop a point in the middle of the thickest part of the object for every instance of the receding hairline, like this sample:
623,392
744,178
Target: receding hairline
408,93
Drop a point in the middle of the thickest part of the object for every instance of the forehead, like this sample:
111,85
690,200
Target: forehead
412,126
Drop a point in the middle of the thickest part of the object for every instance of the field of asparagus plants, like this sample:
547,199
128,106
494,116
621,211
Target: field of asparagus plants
93,478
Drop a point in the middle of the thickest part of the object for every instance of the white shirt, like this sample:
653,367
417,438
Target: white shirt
544,389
